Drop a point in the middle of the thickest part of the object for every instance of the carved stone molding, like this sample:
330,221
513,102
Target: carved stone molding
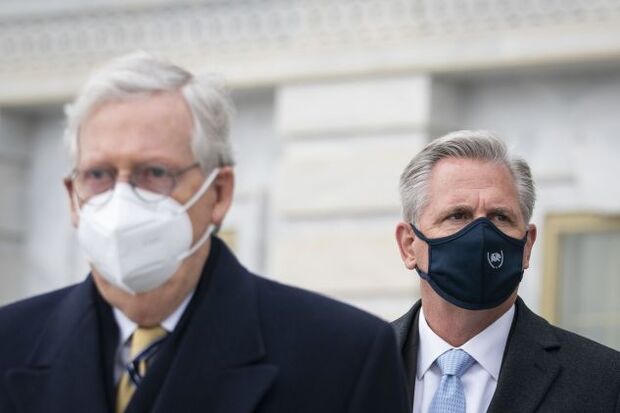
232,33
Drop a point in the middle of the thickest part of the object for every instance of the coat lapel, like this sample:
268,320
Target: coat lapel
529,367
214,360
408,341
64,372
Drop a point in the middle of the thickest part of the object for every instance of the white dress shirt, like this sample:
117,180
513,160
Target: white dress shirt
479,381
126,327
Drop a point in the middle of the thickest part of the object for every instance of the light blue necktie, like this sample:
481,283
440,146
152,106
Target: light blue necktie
450,397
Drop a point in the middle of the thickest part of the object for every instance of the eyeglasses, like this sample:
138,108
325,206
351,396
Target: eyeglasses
150,182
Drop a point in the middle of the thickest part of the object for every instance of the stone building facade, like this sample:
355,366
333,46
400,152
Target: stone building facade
333,99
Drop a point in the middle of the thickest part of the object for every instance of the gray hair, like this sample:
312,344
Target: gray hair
464,144
140,73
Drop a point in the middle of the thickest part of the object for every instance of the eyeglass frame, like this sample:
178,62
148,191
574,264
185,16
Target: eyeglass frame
170,173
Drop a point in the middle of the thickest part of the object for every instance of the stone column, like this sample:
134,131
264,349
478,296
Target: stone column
50,249
344,145
14,147
38,250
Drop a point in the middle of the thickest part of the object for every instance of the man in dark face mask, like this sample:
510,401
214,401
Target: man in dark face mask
471,344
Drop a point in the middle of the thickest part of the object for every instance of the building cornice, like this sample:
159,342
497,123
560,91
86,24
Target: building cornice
44,56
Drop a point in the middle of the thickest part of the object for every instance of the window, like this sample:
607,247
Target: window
582,275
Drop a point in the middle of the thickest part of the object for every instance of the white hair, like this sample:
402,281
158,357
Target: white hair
139,74
463,144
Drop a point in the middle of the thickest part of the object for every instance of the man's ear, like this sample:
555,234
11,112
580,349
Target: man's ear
529,244
75,219
404,239
224,185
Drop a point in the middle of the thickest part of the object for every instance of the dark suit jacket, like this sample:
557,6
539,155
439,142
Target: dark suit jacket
545,368
244,344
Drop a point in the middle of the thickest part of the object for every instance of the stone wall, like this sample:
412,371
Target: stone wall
333,98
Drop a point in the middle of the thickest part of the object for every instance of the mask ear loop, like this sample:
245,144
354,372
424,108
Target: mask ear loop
424,275
199,243
203,188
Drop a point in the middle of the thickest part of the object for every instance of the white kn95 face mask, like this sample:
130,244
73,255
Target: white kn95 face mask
136,245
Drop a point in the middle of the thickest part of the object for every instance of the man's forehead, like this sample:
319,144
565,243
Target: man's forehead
171,102
153,125
462,181
472,172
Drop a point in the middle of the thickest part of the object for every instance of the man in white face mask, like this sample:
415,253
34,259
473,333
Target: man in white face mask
168,320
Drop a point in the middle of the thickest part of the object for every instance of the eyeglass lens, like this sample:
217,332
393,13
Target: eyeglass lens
149,182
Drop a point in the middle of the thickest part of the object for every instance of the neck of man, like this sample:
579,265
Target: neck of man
456,325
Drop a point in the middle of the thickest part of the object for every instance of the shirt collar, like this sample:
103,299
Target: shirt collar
487,347
127,327
431,346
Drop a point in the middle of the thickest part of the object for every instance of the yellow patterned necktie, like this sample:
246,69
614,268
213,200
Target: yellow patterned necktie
143,343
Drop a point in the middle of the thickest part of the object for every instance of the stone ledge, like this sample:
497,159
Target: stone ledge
381,103
270,42
343,258
352,176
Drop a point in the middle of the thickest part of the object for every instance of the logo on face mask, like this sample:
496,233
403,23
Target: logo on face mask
495,259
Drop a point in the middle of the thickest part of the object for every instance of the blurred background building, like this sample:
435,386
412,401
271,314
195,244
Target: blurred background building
333,99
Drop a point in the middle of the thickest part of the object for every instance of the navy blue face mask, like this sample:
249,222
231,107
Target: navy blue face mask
476,268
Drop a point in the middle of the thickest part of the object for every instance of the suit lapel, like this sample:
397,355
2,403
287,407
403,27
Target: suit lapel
529,367
408,340
64,372
214,360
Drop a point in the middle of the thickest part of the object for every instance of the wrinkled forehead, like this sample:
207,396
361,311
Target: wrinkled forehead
156,125
451,168
461,180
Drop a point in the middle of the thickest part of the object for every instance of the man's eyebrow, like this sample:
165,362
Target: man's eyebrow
97,164
462,208
504,211
459,208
